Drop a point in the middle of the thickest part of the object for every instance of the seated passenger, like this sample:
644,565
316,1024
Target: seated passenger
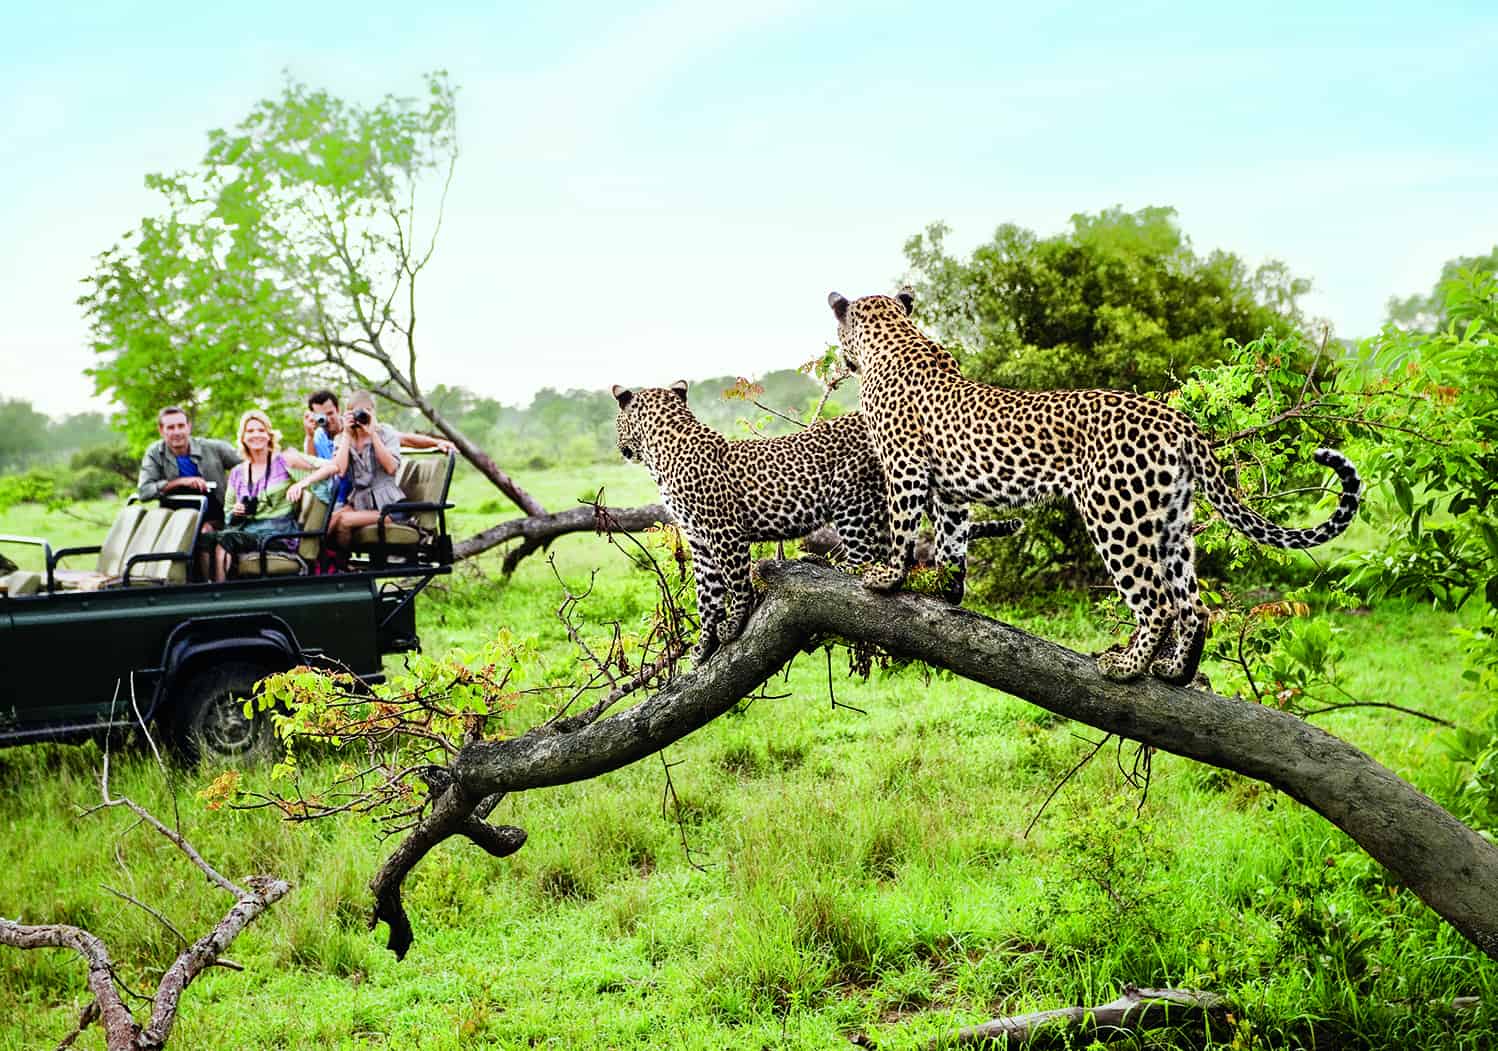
265,498
323,423
368,452
180,463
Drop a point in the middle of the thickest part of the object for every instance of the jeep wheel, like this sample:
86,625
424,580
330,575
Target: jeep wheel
209,720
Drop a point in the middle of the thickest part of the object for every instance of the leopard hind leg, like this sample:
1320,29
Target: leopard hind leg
1126,540
1180,656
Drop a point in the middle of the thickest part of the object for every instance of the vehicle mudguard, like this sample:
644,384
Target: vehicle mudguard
260,637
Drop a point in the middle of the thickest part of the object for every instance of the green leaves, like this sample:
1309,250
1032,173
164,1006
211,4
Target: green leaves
282,247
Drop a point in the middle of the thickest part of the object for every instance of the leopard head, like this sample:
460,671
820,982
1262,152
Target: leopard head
641,412
859,319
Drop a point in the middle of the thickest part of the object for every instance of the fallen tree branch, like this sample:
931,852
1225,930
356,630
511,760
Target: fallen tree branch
1447,864
1135,1010
537,531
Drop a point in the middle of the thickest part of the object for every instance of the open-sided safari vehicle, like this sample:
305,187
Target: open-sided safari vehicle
98,638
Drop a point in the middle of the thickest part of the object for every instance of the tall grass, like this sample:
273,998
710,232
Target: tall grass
859,872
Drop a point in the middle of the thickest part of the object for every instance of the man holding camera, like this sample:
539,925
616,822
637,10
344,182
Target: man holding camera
323,423
367,454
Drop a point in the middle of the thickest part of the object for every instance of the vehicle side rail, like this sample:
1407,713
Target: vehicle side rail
158,556
270,538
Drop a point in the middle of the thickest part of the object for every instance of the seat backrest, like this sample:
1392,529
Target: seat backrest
178,533
427,481
312,515
112,551
143,540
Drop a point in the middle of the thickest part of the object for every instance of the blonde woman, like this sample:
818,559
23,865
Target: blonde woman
263,494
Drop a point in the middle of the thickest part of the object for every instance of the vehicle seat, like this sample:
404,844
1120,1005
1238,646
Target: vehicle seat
141,540
111,560
178,534
312,517
423,478
21,582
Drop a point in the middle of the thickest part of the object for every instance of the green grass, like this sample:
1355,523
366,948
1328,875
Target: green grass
861,872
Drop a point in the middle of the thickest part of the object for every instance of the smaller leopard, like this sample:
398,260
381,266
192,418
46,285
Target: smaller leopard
726,495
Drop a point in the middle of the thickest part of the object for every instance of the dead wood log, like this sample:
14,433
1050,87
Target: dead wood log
121,1032
1447,864
1134,1011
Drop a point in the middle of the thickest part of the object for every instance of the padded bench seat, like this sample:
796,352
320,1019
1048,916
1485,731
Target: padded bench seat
424,479
158,541
312,520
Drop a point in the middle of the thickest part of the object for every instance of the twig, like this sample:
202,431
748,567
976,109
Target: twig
1380,704
1062,783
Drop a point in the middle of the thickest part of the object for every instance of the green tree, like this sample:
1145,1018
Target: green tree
1120,300
23,433
291,253
1430,312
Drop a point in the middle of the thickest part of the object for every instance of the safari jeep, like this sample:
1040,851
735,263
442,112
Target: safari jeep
103,638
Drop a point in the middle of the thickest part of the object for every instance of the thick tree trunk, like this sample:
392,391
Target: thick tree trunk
1448,865
538,531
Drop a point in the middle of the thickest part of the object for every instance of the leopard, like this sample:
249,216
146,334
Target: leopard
726,494
1128,463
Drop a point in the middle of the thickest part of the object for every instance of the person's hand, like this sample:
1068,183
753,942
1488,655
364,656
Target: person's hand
309,422
446,446
238,511
188,482
295,492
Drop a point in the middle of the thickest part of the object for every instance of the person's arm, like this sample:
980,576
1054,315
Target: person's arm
150,483
423,441
320,469
309,440
388,459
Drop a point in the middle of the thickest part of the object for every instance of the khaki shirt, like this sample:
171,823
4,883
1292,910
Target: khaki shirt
159,465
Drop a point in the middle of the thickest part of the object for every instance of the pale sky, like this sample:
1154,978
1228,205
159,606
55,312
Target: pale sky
671,192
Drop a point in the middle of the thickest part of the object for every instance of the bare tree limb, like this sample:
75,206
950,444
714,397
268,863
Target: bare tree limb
1443,861
538,530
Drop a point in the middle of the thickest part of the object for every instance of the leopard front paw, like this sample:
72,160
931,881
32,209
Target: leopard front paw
882,578
1118,665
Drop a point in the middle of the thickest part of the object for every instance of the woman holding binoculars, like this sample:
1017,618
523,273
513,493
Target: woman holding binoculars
265,498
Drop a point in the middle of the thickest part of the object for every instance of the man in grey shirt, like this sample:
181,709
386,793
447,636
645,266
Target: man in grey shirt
180,463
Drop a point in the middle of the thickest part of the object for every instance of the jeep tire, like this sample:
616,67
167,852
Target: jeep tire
208,720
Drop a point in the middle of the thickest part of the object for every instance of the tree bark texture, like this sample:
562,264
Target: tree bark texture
1447,864
539,530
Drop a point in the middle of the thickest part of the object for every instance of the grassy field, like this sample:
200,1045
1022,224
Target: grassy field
858,872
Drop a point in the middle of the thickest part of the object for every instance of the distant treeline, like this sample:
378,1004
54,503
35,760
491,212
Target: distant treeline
577,426
29,438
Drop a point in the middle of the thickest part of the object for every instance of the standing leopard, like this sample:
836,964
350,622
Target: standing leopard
1128,463
728,494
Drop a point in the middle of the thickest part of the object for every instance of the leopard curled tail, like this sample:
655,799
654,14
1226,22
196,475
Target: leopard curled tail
1214,486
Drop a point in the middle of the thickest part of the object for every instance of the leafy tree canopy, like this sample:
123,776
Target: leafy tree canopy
1119,300
292,247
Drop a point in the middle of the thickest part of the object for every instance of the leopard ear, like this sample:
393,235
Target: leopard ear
839,305
622,396
679,388
906,298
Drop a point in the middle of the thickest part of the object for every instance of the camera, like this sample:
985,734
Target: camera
361,417
251,503
321,420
